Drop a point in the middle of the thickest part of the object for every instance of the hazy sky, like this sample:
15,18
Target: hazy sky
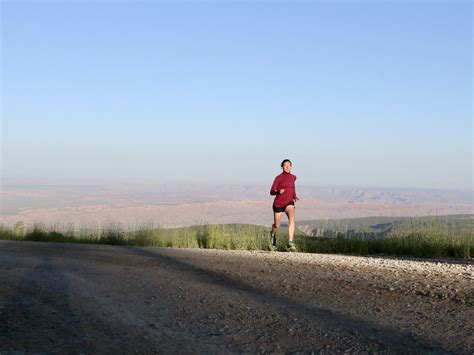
355,93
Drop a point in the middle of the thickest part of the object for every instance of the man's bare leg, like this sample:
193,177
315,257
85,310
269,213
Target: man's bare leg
290,212
276,222
275,226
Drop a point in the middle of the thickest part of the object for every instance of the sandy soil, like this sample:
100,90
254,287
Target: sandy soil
70,298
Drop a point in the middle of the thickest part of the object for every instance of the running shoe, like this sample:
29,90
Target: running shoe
291,246
274,239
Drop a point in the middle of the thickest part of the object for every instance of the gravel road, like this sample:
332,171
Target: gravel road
74,298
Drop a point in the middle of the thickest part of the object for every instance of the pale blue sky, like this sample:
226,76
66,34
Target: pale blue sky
355,93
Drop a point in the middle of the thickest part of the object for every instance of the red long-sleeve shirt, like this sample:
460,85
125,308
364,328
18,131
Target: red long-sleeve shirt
283,181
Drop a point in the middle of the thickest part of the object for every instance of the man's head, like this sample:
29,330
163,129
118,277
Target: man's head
286,165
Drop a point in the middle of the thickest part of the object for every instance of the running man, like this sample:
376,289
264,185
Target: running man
284,189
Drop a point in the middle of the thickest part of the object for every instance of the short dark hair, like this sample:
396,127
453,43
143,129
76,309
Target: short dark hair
286,160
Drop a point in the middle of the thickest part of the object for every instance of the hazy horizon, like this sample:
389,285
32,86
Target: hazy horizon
178,204
48,181
359,94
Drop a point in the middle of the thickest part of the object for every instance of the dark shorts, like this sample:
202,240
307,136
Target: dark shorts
282,209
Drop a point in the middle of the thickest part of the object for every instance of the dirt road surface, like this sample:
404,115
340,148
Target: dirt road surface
73,298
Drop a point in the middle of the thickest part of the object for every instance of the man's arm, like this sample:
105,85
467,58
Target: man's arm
294,193
274,189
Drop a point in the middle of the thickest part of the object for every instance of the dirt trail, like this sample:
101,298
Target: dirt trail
72,298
